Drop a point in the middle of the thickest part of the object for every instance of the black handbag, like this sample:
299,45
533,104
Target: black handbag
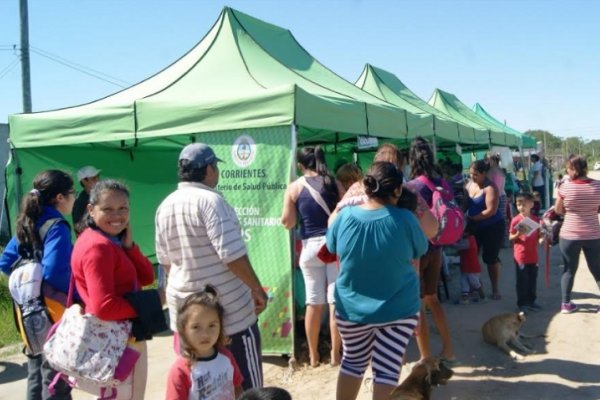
151,317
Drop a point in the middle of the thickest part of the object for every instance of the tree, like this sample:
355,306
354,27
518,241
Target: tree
593,147
559,148
553,143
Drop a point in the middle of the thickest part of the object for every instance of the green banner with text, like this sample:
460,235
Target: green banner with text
253,179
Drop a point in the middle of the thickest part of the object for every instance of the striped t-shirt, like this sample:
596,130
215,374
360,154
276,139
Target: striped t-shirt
197,234
581,199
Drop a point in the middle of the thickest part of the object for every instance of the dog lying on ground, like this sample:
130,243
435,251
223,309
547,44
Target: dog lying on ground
503,330
426,374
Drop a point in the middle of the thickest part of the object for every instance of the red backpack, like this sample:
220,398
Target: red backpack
447,213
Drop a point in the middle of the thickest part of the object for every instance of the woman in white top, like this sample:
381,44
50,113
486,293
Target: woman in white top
537,178
309,201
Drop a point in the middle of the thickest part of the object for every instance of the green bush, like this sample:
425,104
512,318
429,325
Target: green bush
8,331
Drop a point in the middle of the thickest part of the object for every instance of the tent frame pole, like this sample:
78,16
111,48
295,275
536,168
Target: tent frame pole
293,146
434,146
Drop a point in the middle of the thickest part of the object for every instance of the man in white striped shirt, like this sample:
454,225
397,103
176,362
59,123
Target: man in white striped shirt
199,242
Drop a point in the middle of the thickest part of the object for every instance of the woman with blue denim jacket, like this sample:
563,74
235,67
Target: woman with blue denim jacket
52,197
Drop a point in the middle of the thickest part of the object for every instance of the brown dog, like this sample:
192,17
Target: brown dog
426,374
503,330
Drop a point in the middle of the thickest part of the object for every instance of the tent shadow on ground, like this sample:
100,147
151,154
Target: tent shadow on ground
11,372
499,390
570,370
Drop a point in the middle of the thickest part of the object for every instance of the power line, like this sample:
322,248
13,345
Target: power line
9,67
80,68
11,47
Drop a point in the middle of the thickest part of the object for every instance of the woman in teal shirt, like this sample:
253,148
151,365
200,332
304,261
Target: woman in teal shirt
377,289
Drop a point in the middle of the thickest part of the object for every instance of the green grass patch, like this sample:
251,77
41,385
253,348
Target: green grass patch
8,331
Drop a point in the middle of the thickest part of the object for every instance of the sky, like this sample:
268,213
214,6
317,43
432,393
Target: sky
532,64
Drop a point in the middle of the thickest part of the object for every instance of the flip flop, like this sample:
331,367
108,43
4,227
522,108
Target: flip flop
496,296
449,363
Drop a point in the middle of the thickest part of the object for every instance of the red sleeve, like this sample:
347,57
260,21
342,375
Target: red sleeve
513,224
237,375
179,382
102,298
473,244
143,266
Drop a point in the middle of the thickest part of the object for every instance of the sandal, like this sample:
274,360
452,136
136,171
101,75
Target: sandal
496,296
449,363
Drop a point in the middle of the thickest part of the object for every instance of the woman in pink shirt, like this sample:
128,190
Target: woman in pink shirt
579,200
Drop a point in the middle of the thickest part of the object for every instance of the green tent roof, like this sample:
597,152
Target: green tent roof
245,73
388,87
451,105
528,141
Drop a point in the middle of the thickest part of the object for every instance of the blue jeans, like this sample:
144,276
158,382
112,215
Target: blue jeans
39,376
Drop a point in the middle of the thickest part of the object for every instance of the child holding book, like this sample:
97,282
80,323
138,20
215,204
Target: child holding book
525,236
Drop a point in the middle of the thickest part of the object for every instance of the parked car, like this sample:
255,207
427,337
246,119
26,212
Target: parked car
597,166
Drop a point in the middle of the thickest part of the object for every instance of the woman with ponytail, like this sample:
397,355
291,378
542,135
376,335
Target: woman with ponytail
377,289
425,172
50,199
309,200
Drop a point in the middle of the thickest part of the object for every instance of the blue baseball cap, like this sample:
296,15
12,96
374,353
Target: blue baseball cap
199,155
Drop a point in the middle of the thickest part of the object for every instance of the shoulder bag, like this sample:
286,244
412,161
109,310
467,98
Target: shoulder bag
89,353
324,254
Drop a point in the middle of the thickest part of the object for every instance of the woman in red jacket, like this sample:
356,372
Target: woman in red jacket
107,264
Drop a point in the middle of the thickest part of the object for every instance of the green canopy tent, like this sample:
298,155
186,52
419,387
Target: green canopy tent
451,105
446,130
244,74
526,140
249,90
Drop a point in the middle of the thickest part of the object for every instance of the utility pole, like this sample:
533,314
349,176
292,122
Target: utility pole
25,69
544,140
